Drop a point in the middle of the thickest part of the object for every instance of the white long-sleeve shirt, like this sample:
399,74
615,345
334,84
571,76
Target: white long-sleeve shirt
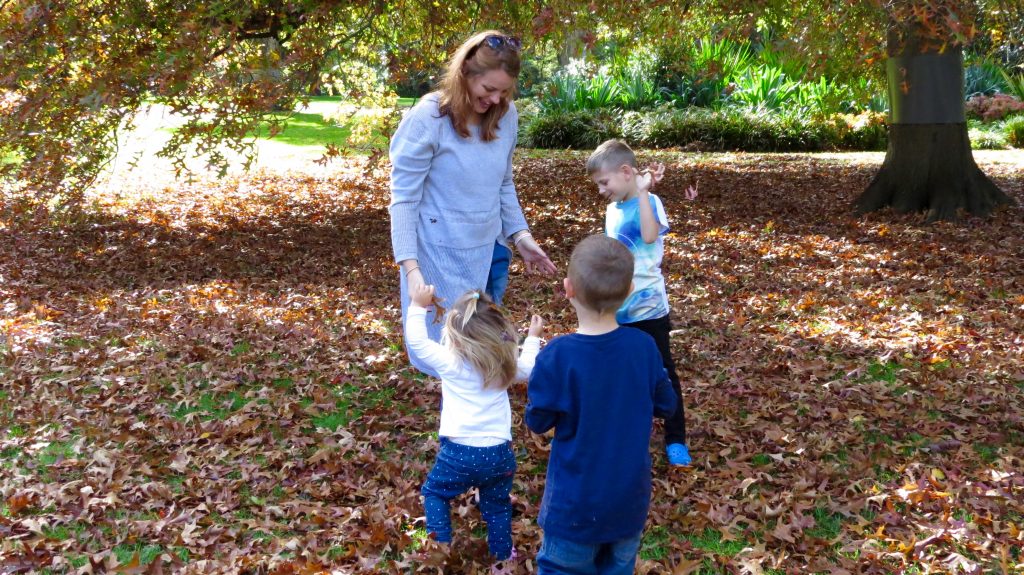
470,414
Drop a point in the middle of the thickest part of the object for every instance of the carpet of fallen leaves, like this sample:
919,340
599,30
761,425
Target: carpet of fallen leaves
208,377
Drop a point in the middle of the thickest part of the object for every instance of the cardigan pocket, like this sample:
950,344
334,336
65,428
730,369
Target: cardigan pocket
457,229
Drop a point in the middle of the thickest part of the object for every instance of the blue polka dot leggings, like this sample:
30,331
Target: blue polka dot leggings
457,469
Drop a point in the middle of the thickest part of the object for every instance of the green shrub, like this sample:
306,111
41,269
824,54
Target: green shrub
710,130
986,140
1014,84
580,129
571,91
697,73
637,90
865,131
993,108
1014,131
729,129
983,78
763,88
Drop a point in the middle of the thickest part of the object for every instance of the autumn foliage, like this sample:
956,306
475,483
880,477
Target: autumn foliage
209,376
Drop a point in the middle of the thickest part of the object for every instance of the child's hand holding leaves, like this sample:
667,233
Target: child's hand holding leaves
536,326
421,294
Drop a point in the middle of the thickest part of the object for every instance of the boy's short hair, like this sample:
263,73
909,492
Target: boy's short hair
612,154
601,272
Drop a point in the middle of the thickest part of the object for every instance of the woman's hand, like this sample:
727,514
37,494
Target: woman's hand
413,275
415,280
534,257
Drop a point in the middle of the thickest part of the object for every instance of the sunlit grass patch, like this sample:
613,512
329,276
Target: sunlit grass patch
307,130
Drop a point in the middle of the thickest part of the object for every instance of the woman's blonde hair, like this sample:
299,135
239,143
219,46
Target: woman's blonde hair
478,331
474,58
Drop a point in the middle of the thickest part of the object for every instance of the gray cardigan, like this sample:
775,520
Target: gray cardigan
448,190
451,199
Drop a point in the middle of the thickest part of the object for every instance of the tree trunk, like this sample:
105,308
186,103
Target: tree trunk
928,165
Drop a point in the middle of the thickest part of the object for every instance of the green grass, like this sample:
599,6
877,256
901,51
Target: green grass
654,545
10,157
761,460
348,398
419,538
74,529
886,475
75,343
241,348
988,453
402,102
827,524
55,451
211,406
884,372
77,561
711,540
306,130
334,419
146,552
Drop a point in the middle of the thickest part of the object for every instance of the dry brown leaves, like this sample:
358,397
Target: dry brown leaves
209,377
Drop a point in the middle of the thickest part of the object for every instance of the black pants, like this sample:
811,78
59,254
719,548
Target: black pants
659,328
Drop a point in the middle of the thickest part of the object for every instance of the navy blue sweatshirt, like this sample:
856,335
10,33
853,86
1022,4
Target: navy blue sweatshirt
600,393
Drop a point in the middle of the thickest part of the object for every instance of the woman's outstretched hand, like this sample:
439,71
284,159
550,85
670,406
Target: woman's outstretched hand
534,257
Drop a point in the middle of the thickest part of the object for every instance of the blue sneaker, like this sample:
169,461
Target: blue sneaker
678,454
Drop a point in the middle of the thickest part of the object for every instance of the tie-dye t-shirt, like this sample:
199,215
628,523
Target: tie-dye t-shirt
648,300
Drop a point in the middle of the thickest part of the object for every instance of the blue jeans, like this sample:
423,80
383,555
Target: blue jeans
497,278
559,556
457,469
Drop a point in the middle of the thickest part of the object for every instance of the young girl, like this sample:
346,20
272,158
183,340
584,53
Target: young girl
476,361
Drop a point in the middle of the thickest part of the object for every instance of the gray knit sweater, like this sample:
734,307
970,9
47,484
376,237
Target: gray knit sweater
451,199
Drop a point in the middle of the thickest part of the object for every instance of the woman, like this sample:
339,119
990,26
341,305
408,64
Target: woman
453,204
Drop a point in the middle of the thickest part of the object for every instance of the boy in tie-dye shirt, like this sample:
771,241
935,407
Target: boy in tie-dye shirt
637,218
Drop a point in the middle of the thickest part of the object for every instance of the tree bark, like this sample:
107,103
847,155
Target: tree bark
928,165
930,168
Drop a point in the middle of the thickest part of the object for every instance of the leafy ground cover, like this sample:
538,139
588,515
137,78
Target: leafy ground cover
208,376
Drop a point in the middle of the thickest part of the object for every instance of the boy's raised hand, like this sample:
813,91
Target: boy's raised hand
421,294
536,326
646,179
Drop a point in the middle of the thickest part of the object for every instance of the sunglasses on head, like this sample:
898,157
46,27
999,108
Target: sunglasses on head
497,42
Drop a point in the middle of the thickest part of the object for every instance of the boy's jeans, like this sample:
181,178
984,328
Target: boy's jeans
497,278
559,556
459,467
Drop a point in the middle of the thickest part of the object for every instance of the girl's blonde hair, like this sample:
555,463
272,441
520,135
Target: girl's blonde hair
478,331
474,58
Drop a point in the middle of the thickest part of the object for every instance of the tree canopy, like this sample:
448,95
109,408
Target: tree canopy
73,73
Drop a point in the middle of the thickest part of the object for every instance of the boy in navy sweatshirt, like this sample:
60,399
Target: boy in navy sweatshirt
599,388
